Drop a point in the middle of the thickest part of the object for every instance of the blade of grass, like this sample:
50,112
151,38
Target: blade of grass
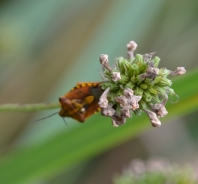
88,140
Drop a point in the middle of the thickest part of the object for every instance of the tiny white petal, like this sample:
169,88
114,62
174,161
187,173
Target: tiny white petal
109,111
153,118
114,123
128,92
116,76
122,100
103,101
125,112
118,119
155,122
159,109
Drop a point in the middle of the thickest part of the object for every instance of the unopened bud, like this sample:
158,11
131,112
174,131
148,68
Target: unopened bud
179,71
104,61
131,46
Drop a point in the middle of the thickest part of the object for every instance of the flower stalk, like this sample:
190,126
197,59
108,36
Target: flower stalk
28,107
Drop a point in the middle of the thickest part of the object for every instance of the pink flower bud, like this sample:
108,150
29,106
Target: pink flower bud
179,71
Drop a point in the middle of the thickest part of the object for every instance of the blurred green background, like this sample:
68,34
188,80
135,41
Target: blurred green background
46,46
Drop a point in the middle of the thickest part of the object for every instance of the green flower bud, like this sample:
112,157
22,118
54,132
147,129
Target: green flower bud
135,69
143,86
147,96
164,82
153,91
157,79
156,61
138,59
138,91
130,85
124,79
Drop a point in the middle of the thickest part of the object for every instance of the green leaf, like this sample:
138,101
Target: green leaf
88,140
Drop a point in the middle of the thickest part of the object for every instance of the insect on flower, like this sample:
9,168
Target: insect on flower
134,85
82,101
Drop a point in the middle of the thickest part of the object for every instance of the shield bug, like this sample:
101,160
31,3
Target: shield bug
82,101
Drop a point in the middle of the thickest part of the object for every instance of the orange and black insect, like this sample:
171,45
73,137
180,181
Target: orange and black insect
82,101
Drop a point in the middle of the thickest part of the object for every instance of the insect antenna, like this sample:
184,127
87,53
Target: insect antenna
65,121
46,117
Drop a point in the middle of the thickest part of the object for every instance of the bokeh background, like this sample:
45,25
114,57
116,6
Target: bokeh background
46,46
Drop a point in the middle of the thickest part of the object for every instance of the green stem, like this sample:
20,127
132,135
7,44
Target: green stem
28,107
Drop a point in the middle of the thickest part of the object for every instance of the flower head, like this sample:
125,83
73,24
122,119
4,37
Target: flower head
134,85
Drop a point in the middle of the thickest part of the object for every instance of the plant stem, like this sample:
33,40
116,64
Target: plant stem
28,107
